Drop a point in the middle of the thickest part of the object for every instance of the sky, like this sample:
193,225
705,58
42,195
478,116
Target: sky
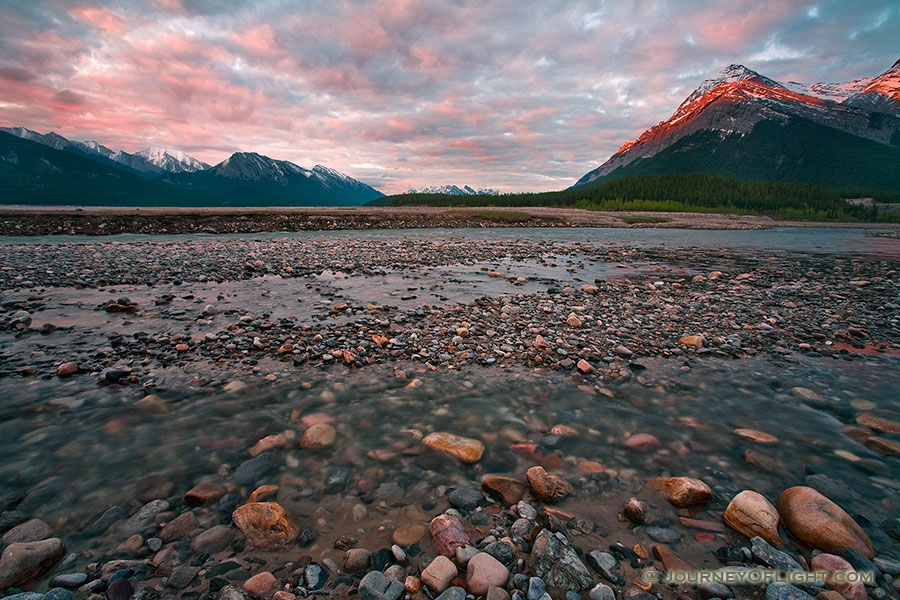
516,95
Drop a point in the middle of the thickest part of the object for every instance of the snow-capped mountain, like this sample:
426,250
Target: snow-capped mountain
739,102
51,139
173,161
454,190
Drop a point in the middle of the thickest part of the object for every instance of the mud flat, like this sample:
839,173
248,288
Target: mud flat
32,220
561,411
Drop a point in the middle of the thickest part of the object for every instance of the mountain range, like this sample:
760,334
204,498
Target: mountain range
453,190
743,124
48,168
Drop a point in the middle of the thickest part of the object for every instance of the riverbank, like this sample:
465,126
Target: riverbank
34,220
284,416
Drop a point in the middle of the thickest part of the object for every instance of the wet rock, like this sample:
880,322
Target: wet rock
250,472
23,561
465,449
508,489
230,592
555,561
182,577
205,492
57,594
765,554
213,540
693,341
602,592
119,589
407,535
29,531
260,584
670,560
584,367
438,575
484,571
447,534
831,563
68,580
356,560
263,493
106,520
834,490
318,437
465,498
642,442
496,593
453,593
606,565
546,487
635,510
664,535
145,517
751,514
178,527
686,491
820,523
67,369
266,525
785,591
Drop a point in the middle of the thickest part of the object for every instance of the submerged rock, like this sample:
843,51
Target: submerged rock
820,523
554,560
265,524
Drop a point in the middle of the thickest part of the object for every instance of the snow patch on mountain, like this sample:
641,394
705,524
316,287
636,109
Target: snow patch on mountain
174,161
455,190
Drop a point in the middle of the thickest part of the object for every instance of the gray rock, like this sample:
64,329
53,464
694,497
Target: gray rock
887,565
315,576
29,531
602,591
765,554
213,540
25,596
144,517
375,586
252,471
606,565
154,544
536,589
555,561
785,591
828,487
23,561
182,577
465,498
230,592
501,551
521,527
105,521
526,511
68,580
453,593
714,589
860,562
58,594
663,535
146,593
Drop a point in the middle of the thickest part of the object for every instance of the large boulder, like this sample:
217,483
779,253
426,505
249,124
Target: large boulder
820,523
751,514
23,561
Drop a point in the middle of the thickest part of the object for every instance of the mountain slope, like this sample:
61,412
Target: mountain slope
736,110
173,161
454,190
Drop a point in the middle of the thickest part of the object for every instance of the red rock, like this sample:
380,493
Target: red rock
318,436
759,437
270,442
22,562
67,369
704,537
540,343
447,534
832,563
311,419
465,449
820,523
692,341
205,492
179,527
260,584
751,514
670,560
283,595
584,367
590,466
552,461
546,487
484,571
564,430
642,442
266,525
509,489
263,492
879,424
686,491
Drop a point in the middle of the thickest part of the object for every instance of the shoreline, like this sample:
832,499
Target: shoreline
26,221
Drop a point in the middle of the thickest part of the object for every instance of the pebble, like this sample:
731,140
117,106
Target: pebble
465,449
266,525
375,586
447,534
686,491
751,514
68,580
784,591
260,584
438,575
465,498
213,540
407,535
508,489
30,531
484,571
602,592
554,560
318,437
546,487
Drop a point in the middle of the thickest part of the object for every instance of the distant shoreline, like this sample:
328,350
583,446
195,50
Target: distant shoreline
103,220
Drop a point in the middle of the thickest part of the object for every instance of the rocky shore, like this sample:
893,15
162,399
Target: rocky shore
444,418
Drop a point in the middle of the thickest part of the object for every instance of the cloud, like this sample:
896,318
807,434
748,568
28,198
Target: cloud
510,94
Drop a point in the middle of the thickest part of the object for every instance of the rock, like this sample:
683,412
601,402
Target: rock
465,498
265,524
555,561
67,369
686,491
447,534
119,589
356,560
29,531
502,550
624,352
178,527
670,560
830,563
464,554
606,565
635,510
375,586
260,584
213,540
537,589
692,341
760,437
205,492
508,489
439,574
454,593
663,535
407,535
318,436
642,442
263,493
249,472
57,594
182,577
465,449
283,595
751,514
145,517
820,523
584,367
496,593
68,580
546,487
484,571
22,562
765,554
785,591
315,576
602,592
879,424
